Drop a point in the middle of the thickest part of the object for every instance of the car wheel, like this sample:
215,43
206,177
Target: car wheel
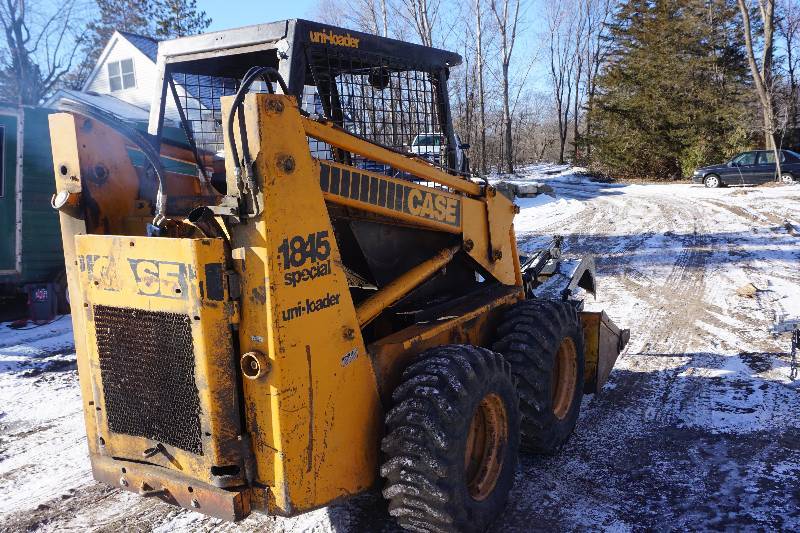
712,181
787,178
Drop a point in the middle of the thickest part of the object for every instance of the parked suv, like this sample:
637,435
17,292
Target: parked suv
750,168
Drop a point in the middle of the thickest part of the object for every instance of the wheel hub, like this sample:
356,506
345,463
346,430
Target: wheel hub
486,441
563,378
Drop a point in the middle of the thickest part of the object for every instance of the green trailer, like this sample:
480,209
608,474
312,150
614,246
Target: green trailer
30,239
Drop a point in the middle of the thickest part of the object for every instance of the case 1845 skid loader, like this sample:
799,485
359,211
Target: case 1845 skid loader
289,307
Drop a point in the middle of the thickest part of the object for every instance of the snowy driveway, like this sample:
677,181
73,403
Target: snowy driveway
698,427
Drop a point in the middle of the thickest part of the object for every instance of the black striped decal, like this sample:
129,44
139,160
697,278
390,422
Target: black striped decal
387,193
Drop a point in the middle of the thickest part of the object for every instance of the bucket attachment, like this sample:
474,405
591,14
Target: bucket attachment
603,342
546,275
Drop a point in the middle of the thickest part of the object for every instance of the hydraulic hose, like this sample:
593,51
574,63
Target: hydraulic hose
265,73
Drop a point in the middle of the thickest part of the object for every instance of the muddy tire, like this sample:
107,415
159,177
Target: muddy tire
452,440
543,341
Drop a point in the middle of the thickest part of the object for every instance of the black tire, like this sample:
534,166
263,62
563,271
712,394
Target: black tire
529,336
427,436
712,181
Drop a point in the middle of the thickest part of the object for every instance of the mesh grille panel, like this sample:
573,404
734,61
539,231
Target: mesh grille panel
147,369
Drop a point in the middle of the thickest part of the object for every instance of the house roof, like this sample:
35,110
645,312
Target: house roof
146,45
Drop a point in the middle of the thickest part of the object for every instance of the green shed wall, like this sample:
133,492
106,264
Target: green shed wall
42,254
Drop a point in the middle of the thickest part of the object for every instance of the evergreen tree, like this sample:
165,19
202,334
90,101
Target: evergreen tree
178,18
158,19
672,95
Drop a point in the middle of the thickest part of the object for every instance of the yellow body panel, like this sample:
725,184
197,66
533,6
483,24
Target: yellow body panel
67,156
166,276
315,417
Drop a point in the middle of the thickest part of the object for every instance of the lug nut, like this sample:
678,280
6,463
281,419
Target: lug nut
349,333
497,255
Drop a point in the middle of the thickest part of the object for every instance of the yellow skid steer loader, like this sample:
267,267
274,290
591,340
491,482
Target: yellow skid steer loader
287,307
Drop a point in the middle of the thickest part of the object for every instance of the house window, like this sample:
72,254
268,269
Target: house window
120,75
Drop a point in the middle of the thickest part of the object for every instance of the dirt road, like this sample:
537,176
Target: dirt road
698,427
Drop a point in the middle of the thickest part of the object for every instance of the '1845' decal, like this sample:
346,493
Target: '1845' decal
305,257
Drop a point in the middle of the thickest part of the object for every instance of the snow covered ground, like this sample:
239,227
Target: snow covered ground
698,427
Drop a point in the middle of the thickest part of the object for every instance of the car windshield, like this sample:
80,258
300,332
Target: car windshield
792,154
427,140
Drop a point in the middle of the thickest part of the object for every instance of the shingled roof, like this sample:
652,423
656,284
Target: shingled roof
146,45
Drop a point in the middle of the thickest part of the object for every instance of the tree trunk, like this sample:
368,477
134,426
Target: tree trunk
481,91
761,77
507,26
507,122
385,19
576,103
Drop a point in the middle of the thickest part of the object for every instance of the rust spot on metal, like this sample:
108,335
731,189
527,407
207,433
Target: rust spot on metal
276,106
286,163
259,295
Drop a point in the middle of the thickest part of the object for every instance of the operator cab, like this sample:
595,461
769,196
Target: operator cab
388,92
383,90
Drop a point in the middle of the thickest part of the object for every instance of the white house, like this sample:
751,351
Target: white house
126,69
123,80
123,84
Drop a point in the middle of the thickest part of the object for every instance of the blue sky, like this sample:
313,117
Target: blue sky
234,13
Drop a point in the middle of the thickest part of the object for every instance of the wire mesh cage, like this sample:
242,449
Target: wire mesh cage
381,99
391,102
198,100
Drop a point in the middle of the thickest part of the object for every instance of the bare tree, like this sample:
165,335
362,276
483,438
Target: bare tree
42,48
561,45
581,43
789,28
384,12
506,14
369,16
481,87
598,15
762,77
424,15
